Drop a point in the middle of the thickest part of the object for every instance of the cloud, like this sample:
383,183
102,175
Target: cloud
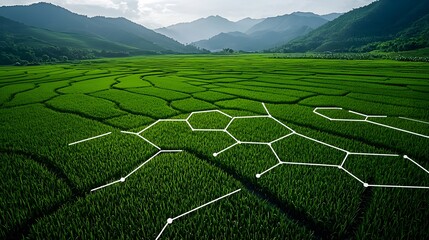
156,13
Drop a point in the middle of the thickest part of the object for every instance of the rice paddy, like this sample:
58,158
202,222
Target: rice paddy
46,187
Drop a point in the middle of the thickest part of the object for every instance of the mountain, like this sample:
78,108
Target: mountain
331,16
205,28
412,38
288,22
23,44
232,40
18,33
245,24
366,28
271,32
118,30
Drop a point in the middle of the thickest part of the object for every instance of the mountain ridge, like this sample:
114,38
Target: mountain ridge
204,28
119,30
269,33
375,23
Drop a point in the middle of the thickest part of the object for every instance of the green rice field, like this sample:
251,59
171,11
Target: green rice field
46,183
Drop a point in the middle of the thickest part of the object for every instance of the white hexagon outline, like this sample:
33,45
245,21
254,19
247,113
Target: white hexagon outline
269,144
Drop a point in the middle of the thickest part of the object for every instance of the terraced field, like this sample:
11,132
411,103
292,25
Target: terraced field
262,178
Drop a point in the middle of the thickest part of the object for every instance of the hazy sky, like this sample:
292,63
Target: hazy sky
157,13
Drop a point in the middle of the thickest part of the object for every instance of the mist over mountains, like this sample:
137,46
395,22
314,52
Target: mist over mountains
269,33
216,33
115,30
205,28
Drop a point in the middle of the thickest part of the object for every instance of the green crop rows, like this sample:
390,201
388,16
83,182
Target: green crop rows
45,187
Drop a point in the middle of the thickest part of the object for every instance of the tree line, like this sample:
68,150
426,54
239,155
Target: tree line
17,54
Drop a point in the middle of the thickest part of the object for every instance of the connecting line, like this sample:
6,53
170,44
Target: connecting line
374,154
146,128
161,120
418,165
398,129
284,125
285,136
91,138
162,230
335,119
121,180
266,109
208,111
233,145
414,120
207,130
140,136
255,143
395,186
344,160
170,220
367,117
351,174
269,144
323,143
238,142
275,153
250,117
381,185
293,132
259,175
365,154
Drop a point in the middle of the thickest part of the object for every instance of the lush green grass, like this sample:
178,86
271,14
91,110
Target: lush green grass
42,92
165,94
132,81
211,96
39,189
8,91
46,183
138,103
85,105
192,104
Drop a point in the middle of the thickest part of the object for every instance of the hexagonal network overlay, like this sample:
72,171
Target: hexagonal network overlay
267,130
390,171
262,129
352,116
208,120
339,114
295,149
254,130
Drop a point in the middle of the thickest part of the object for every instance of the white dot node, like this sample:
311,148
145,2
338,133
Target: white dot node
365,185
405,156
169,221
214,154
258,175
340,167
122,180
